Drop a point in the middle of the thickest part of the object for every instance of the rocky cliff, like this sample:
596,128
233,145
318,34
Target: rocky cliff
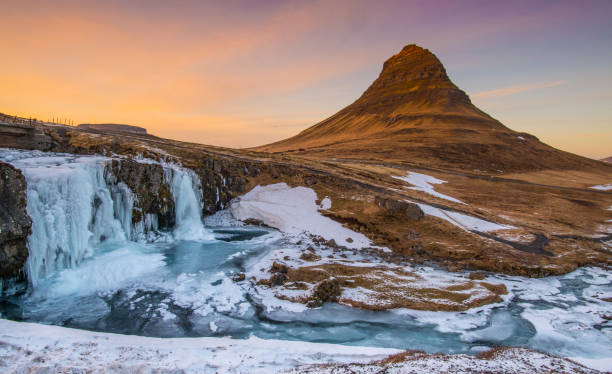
15,224
149,187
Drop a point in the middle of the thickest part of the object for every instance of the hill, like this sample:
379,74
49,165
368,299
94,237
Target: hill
112,127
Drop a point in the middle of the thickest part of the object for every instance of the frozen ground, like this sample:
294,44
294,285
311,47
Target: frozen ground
41,348
184,288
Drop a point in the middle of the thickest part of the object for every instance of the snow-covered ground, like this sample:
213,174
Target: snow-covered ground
294,211
565,315
507,361
603,187
44,349
424,182
40,348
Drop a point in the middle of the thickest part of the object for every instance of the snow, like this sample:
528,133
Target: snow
603,364
463,221
42,348
510,360
423,182
326,204
603,187
294,211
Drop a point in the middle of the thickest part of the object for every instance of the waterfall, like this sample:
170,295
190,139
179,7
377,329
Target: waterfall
186,190
74,208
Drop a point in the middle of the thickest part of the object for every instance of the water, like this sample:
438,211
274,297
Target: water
90,269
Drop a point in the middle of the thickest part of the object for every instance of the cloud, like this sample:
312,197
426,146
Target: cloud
516,89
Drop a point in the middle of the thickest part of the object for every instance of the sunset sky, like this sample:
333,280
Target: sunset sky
245,73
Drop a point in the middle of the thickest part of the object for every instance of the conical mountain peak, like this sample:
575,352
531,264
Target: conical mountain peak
413,82
414,113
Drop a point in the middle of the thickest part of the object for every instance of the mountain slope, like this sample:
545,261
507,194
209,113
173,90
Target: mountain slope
414,113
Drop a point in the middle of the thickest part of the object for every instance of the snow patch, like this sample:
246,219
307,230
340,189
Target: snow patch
603,187
463,221
423,182
293,211
325,204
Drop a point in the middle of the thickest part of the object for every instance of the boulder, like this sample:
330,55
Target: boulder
410,210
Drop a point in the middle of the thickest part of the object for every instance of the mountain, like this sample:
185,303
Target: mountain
413,113
607,159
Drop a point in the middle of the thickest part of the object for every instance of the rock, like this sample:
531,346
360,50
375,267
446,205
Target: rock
309,181
147,182
326,291
309,256
278,279
254,222
476,275
24,137
332,243
410,210
498,289
412,235
349,240
238,277
15,224
278,268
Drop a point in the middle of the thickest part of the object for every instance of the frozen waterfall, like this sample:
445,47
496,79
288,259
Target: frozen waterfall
74,209
186,190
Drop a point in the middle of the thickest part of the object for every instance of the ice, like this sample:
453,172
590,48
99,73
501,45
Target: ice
463,221
71,208
423,182
502,327
185,187
207,294
75,209
569,332
105,272
293,211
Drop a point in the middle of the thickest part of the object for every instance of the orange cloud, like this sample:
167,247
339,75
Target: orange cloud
516,89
